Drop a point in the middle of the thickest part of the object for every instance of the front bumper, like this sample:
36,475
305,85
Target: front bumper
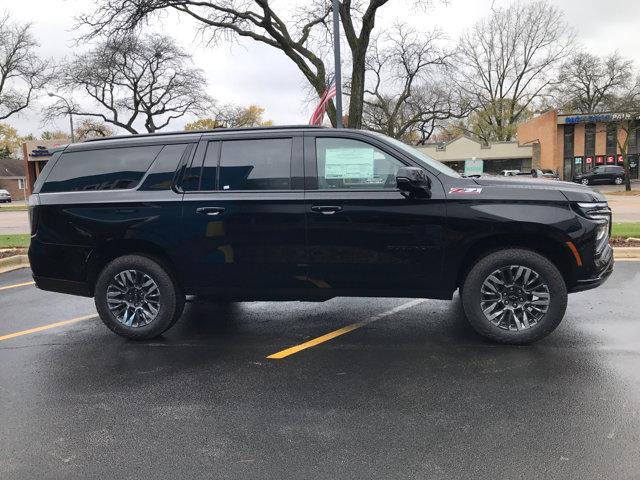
604,268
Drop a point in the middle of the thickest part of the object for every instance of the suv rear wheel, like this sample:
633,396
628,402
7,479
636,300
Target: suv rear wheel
137,298
514,296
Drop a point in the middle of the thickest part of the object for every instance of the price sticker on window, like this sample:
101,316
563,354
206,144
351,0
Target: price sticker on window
344,163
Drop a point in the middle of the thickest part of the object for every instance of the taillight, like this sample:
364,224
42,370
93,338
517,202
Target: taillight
34,204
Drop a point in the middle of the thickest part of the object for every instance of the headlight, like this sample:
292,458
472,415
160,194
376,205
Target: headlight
600,213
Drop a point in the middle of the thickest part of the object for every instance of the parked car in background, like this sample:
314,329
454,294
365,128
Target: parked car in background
509,173
602,174
142,222
545,174
5,196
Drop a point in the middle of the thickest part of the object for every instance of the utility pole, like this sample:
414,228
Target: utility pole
336,58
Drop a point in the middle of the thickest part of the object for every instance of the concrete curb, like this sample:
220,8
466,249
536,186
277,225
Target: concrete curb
620,253
15,262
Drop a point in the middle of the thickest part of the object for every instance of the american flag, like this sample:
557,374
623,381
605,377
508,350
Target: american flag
318,113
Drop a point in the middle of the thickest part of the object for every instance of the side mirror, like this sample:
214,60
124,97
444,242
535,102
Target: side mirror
413,182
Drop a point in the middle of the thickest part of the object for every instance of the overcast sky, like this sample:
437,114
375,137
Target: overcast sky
249,73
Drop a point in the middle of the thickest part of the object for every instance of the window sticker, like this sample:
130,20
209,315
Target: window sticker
343,163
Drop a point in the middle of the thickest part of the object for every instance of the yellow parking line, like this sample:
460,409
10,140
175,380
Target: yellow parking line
7,287
316,341
341,331
45,327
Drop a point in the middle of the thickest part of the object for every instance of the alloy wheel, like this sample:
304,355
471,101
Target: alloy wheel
514,297
133,297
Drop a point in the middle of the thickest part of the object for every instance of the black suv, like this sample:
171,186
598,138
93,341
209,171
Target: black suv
301,213
601,174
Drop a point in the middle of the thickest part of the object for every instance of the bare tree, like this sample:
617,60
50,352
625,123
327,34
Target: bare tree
407,99
22,73
590,84
132,80
507,61
89,128
257,20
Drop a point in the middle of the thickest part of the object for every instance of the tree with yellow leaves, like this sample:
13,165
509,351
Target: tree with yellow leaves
230,116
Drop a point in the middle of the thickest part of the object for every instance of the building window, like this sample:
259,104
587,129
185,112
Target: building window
634,133
21,183
568,141
611,139
590,139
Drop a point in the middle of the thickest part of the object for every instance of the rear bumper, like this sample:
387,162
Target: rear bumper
63,286
604,268
59,268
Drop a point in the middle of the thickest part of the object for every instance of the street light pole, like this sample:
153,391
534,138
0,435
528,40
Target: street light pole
73,138
336,58
69,112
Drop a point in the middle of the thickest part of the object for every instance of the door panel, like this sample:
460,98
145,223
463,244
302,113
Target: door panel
237,240
377,240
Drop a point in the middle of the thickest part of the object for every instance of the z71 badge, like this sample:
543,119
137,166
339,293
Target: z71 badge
465,190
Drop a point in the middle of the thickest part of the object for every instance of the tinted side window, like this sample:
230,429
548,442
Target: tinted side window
107,169
352,164
255,164
164,167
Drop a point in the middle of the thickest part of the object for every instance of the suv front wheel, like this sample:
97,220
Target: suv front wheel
137,298
514,296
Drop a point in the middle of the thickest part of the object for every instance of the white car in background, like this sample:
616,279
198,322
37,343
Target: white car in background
5,196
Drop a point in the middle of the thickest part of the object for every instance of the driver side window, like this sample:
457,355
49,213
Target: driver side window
344,163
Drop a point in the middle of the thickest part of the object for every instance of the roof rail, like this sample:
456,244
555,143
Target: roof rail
215,130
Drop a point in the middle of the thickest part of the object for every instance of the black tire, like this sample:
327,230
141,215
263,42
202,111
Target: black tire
483,268
171,299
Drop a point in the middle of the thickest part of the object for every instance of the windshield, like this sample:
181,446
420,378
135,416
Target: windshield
421,157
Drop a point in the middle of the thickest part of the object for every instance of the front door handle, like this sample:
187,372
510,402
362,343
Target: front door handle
212,211
326,209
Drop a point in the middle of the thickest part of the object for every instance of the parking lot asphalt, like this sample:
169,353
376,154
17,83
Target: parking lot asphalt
411,394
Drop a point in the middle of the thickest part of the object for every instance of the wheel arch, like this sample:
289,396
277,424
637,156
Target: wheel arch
109,251
557,251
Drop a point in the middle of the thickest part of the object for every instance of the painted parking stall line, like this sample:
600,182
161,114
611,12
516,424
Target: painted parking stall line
43,328
341,331
24,284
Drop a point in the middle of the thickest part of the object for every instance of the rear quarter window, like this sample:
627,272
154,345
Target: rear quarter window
105,169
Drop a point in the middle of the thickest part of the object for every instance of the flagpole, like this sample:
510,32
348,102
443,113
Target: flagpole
336,57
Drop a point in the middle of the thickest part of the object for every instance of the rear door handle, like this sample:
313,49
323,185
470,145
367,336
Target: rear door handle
210,210
326,209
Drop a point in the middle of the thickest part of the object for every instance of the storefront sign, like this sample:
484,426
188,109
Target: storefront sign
473,167
577,160
599,159
594,118
611,159
589,160
620,159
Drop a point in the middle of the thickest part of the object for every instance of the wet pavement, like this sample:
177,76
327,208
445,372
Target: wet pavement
413,395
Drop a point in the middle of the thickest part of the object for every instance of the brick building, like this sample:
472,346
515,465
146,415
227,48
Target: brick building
575,143
12,177
36,154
